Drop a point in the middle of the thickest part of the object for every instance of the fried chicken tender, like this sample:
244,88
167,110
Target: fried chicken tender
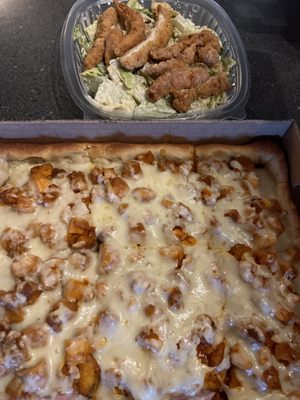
201,38
135,26
215,85
114,37
185,58
106,21
177,80
158,37
208,55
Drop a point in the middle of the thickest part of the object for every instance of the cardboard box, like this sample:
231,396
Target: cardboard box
286,133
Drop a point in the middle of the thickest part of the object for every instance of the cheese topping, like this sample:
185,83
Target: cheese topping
146,280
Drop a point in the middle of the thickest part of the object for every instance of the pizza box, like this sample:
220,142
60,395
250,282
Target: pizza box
286,133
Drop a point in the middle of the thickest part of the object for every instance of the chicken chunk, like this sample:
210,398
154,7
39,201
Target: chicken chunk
201,39
17,199
158,37
213,86
106,21
177,80
112,39
135,27
13,241
182,60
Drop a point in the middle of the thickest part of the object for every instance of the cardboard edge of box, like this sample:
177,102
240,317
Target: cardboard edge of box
286,133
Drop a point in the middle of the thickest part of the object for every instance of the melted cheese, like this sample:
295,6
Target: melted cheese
209,279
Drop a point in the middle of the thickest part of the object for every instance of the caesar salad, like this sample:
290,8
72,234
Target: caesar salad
152,63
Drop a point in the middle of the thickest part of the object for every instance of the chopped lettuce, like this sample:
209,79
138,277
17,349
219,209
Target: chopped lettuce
183,26
111,96
114,73
93,77
160,109
209,103
91,31
80,37
138,88
228,63
134,85
146,13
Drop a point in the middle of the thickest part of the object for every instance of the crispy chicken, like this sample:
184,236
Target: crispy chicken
201,38
176,80
185,58
114,37
208,55
158,37
106,21
135,27
213,86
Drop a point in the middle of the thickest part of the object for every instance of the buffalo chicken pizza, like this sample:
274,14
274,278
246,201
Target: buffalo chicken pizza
148,272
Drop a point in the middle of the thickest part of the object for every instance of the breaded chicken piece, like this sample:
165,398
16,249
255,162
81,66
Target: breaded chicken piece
185,58
114,37
106,21
208,55
176,80
158,36
201,38
213,86
135,27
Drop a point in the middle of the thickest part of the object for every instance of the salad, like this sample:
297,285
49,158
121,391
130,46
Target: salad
151,63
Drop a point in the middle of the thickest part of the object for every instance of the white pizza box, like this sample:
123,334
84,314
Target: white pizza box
286,133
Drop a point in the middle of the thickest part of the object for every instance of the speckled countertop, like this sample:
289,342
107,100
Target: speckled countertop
32,85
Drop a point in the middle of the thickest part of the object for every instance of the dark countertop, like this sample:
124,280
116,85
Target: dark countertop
32,85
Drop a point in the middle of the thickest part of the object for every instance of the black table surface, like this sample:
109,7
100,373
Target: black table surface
32,86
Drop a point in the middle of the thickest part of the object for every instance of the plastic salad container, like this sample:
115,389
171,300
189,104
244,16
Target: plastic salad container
202,13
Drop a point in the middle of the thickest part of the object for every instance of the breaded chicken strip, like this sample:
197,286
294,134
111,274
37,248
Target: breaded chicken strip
159,36
112,39
135,27
106,21
175,80
208,55
201,38
215,85
185,58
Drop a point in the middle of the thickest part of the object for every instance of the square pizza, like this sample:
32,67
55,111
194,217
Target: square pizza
148,272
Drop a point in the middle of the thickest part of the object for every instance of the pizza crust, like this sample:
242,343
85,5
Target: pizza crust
268,154
114,151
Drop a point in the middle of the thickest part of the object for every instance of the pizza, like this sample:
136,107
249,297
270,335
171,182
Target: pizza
148,272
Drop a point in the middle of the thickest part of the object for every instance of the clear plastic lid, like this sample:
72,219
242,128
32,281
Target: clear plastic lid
202,13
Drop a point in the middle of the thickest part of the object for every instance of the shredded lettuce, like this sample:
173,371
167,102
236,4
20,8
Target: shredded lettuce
183,26
146,13
228,63
112,96
91,31
81,39
209,103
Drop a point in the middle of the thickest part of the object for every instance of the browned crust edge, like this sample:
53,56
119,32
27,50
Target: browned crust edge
268,154
124,151
121,151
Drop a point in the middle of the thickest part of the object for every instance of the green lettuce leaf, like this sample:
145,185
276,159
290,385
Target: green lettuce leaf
228,63
146,13
111,96
183,26
81,39
93,77
91,31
